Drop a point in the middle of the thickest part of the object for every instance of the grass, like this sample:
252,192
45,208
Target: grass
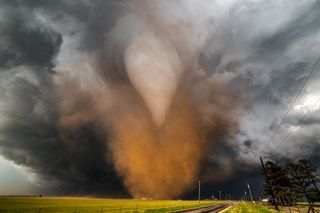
86,205
301,207
243,207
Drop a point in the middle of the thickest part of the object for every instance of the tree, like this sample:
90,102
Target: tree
311,171
280,184
303,181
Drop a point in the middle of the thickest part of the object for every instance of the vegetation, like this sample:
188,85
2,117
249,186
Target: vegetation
245,207
248,207
83,205
292,183
280,183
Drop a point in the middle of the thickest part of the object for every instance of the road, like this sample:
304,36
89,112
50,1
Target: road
206,209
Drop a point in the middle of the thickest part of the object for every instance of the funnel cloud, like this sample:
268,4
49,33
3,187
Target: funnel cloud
144,98
163,116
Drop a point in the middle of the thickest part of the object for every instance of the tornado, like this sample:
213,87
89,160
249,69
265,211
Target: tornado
160,115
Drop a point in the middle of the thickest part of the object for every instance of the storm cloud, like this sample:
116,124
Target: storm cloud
262,51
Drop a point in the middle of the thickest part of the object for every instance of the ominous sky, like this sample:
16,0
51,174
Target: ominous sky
71,76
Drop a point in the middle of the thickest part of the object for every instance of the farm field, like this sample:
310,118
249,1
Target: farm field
86,205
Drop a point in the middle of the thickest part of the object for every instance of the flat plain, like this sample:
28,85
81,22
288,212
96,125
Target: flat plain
87,204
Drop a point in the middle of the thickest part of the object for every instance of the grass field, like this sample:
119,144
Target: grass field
301,207
246,207
243,207
86,205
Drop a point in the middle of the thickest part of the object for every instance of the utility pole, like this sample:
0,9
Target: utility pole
219,195
269,184
199,192
250,193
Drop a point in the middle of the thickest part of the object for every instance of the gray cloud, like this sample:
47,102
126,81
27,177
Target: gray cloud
26,41
267,46
29,134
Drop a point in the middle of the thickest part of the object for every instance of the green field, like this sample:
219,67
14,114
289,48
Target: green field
86,205
247,207
243,207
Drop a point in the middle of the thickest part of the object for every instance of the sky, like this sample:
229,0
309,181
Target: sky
74,75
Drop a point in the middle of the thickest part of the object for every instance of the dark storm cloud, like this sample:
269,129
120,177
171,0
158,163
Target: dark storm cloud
252,44
78,168
305,24
26,41
30,137
274,49
276,60
75,165
279,91
312,120
235,185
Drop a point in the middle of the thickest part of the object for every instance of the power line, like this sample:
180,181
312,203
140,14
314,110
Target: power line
51,108
301,120
121,144
283,141
293,101
28,90
17,116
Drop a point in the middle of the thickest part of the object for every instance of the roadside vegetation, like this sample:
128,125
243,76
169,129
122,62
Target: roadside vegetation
292,183
246,207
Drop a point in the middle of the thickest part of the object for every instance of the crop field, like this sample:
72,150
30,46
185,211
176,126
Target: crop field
86,205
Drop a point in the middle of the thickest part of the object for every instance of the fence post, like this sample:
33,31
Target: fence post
75,209
39,210
298,209
137,208
121,208
101,209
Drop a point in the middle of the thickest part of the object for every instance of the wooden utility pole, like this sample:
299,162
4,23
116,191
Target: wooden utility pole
199,192
269,184
250,193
